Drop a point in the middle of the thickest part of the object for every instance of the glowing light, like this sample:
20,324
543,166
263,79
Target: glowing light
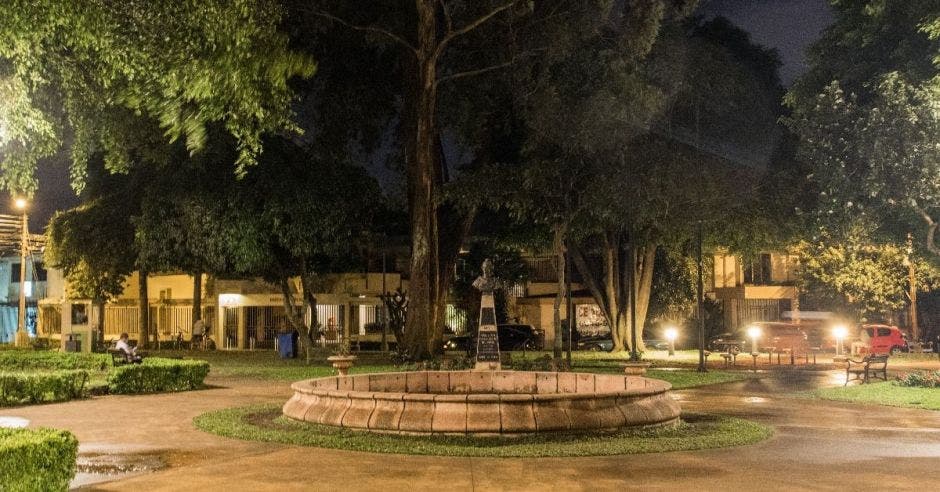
229,299
671,334
20,203
754,332
840,331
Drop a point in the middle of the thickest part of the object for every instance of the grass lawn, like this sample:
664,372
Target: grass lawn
266,365
888,393
265,423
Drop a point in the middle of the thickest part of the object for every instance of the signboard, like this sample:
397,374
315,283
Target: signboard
487,335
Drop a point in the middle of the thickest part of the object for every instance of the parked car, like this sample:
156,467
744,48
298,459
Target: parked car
728,342
656,344
512,337
596,343
884,339
781,337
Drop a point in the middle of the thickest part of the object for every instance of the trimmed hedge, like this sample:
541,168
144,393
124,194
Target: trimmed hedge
158,375
39,387
36,459
32,360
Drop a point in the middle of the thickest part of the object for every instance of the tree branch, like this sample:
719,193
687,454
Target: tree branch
932,226
447,18
454,34
473,73
376,30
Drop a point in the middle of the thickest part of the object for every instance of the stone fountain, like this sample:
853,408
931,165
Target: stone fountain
486,400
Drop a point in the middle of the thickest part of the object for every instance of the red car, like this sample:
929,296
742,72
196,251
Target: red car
884,339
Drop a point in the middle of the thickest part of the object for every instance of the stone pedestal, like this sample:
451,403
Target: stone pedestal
635,368
487,358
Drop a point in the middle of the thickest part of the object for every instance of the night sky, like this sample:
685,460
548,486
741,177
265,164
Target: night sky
787,25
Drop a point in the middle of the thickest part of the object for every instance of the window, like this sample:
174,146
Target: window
14,273
884,332
758,270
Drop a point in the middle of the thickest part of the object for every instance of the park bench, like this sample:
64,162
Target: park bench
118,357
870,366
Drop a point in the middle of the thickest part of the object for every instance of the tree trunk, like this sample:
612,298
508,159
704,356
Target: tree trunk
99,328
143,305
296,322
425,315
558,249
310,302
197,297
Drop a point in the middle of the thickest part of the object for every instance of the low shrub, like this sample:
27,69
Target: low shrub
920,379
32,360
36,459
38,387
157,375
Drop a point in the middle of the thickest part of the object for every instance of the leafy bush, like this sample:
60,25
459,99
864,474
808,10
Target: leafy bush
157,375
36,459
543,363
31,360
449,364
920,379
24,388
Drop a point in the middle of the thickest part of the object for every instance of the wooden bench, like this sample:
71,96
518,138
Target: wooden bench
871,366
118,357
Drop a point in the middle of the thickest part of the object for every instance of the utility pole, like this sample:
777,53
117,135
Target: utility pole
22,336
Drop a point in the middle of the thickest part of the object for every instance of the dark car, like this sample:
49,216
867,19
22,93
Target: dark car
596,343
725,342
511,338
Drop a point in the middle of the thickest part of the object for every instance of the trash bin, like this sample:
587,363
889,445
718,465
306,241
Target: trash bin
286,346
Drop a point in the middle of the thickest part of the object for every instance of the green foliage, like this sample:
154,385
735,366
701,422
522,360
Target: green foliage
33,360
158,375
37,459
919,379
867,123
858,278
179,65
265,423
41,387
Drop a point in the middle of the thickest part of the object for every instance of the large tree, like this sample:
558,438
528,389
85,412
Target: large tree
867,122
443,45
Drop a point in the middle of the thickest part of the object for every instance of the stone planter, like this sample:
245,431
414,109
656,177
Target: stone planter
342,363
635,368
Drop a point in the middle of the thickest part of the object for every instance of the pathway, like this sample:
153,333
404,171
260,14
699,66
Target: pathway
817,446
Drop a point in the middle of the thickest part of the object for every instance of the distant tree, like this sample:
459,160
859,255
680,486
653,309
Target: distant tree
298,215
860,280
93,243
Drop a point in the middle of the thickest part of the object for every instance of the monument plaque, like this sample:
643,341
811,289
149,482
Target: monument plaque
487,334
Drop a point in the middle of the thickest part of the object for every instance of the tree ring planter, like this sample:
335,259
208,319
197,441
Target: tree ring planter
342,363
483,402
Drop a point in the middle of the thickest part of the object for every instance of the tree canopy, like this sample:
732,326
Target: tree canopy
76,71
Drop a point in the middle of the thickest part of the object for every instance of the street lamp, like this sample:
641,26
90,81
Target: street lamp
671,334
22,337
754,332
840,332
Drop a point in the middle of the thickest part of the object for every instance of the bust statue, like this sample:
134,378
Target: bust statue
486,283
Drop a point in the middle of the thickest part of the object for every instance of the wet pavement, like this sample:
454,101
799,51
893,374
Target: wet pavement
149,443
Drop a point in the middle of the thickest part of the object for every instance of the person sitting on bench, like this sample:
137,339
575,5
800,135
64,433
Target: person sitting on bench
130,353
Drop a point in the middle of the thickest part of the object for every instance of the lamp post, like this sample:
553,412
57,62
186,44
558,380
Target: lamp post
754,333
840,332
22,337
671,334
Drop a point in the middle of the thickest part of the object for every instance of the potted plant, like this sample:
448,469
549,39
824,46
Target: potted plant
342,360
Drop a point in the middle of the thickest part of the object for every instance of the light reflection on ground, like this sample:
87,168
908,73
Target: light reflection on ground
8,422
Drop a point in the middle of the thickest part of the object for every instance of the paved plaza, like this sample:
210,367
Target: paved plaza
818,445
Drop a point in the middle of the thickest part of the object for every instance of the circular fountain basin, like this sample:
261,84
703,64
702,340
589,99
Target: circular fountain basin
483,402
